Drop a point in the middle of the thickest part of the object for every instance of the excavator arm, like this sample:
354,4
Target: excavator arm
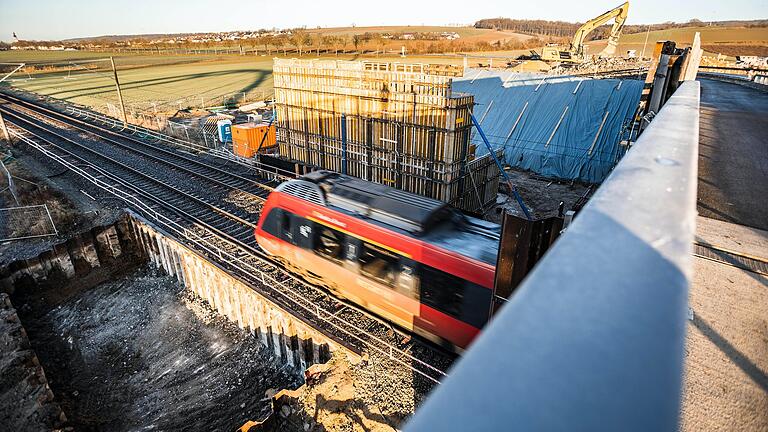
575,52
618,13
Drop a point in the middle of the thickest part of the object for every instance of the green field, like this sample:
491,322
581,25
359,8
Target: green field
466,34
166,83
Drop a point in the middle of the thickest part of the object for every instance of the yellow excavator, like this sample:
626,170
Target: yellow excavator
575,52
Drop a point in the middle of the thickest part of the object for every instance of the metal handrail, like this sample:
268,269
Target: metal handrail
594,338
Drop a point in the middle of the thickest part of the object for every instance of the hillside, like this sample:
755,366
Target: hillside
730,41
381,37
567,29
469,34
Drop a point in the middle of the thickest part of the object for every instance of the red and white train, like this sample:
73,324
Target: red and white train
412,260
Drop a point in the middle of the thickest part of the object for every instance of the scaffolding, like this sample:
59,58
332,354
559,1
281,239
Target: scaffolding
401,125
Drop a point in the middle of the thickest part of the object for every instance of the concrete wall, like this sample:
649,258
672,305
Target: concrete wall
290,338
26,400
96,255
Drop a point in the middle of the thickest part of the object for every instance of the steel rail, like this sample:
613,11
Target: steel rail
252,248
267,281
384,348
88,128
112,125
148,181
134,171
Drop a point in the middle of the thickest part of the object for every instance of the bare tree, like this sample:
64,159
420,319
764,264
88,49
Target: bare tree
267,40
356,39
299,39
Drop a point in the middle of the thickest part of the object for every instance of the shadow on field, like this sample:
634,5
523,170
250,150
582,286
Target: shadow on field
98,90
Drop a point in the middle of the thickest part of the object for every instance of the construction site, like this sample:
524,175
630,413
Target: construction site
372,241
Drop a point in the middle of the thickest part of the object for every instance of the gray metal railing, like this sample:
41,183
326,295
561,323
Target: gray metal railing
593,340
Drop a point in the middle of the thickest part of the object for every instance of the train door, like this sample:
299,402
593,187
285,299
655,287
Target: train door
351,251
390,279
407,284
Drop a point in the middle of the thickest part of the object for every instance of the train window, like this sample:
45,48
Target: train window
477,304
286,232
462,299
330,243
272,224
441,290
303,232
378,263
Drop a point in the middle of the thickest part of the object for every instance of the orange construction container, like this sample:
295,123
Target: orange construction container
249,138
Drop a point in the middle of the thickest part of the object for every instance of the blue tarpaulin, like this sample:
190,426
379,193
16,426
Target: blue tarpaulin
559,127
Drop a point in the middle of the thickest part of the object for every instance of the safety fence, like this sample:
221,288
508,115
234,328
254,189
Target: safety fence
26,222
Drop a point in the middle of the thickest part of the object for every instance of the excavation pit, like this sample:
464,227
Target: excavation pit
135,331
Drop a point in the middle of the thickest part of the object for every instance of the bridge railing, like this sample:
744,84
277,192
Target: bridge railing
594,337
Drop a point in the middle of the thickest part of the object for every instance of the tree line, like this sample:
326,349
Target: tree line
567,29
299,40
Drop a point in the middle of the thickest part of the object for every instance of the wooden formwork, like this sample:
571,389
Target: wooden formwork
403,124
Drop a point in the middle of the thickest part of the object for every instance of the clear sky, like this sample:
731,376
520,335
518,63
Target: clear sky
60,19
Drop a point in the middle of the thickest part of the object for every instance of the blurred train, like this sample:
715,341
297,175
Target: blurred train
414,261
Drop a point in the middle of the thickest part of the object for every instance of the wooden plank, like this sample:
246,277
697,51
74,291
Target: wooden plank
405,127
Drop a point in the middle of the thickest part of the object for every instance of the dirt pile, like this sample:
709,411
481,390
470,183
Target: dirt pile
347,394
542,196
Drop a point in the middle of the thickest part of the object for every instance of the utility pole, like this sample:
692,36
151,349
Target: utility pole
119,93
646,41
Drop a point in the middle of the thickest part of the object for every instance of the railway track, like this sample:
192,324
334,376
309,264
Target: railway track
189,197
183,201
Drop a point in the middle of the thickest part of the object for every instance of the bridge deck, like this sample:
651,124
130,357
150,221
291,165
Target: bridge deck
726,384
733,154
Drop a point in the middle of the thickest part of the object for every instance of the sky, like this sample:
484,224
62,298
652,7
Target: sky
61,19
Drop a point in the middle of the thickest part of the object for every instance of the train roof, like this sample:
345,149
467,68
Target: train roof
429,219
407,211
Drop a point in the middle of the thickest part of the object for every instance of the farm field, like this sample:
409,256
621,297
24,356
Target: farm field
164,83
727,40
161,83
